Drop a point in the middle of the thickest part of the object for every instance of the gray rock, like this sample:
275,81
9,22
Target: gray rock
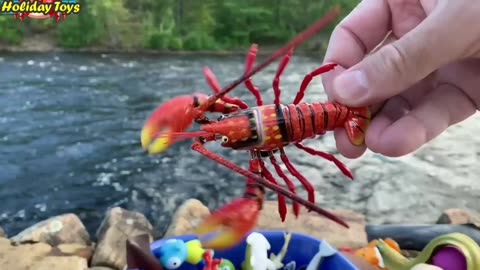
186,217
459,216
118,225
63,229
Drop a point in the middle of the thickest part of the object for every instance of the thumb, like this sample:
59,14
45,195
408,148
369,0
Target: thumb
400,64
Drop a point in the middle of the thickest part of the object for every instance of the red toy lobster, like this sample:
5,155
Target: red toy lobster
52,13
262,130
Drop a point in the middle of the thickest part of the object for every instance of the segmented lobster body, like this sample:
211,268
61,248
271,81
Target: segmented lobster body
263,131
269,127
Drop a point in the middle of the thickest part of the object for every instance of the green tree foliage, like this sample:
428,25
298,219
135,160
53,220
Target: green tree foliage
180,24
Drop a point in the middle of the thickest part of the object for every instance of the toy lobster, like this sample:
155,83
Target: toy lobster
263,131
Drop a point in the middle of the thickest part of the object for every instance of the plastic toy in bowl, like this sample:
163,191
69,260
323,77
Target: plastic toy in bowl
174,252
309,253
454,251
371,254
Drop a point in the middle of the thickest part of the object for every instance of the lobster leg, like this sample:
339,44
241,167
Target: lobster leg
306,184
213,83
326,156
306,80
276,81
249,60
200,148
282,204
288,182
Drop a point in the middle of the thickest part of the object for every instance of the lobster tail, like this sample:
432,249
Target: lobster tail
356,124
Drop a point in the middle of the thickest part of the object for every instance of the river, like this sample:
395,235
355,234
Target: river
69,142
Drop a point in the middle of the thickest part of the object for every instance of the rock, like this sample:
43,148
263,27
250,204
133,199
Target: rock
21,257
2,232
459,216
118,225
63,229
61,263
316,225
39,256
187,216
99,268
82,251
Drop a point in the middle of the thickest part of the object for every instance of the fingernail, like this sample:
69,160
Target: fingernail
351,85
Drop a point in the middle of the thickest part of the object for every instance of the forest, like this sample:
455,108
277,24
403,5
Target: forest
178,24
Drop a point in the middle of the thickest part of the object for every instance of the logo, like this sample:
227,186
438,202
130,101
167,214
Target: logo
39,9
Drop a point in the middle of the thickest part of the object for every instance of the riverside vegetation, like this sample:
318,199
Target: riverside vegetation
177,24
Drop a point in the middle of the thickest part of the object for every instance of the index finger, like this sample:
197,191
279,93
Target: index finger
355,36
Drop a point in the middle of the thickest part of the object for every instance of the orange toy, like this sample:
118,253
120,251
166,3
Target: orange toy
371,254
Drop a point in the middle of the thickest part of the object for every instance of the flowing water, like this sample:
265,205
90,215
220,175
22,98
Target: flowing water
69,142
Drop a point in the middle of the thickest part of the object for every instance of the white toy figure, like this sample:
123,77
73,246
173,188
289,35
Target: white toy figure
257,253
277,259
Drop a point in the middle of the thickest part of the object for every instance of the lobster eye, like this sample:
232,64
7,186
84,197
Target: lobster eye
221,117
224,139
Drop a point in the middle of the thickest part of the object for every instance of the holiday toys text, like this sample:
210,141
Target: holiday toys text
38,7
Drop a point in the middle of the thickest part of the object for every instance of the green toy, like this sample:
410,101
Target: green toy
226,264
449,251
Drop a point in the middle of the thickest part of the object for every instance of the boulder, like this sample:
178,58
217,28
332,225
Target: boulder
63,229
42,256
82,251
187,216
459,216
118,225
21,257
192,211
61,263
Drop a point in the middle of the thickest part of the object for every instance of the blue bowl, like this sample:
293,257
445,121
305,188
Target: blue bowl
301,249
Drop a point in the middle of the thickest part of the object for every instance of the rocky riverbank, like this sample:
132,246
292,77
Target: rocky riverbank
62,242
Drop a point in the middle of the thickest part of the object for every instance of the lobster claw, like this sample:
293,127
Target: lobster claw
175,115
230,223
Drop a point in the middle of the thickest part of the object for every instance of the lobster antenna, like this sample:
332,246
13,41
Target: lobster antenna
307,33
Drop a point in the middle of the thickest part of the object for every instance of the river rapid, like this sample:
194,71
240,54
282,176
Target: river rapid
70,142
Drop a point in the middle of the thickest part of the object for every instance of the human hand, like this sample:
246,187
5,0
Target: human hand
424,80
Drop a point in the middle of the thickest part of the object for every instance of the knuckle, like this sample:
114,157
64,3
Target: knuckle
396,59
